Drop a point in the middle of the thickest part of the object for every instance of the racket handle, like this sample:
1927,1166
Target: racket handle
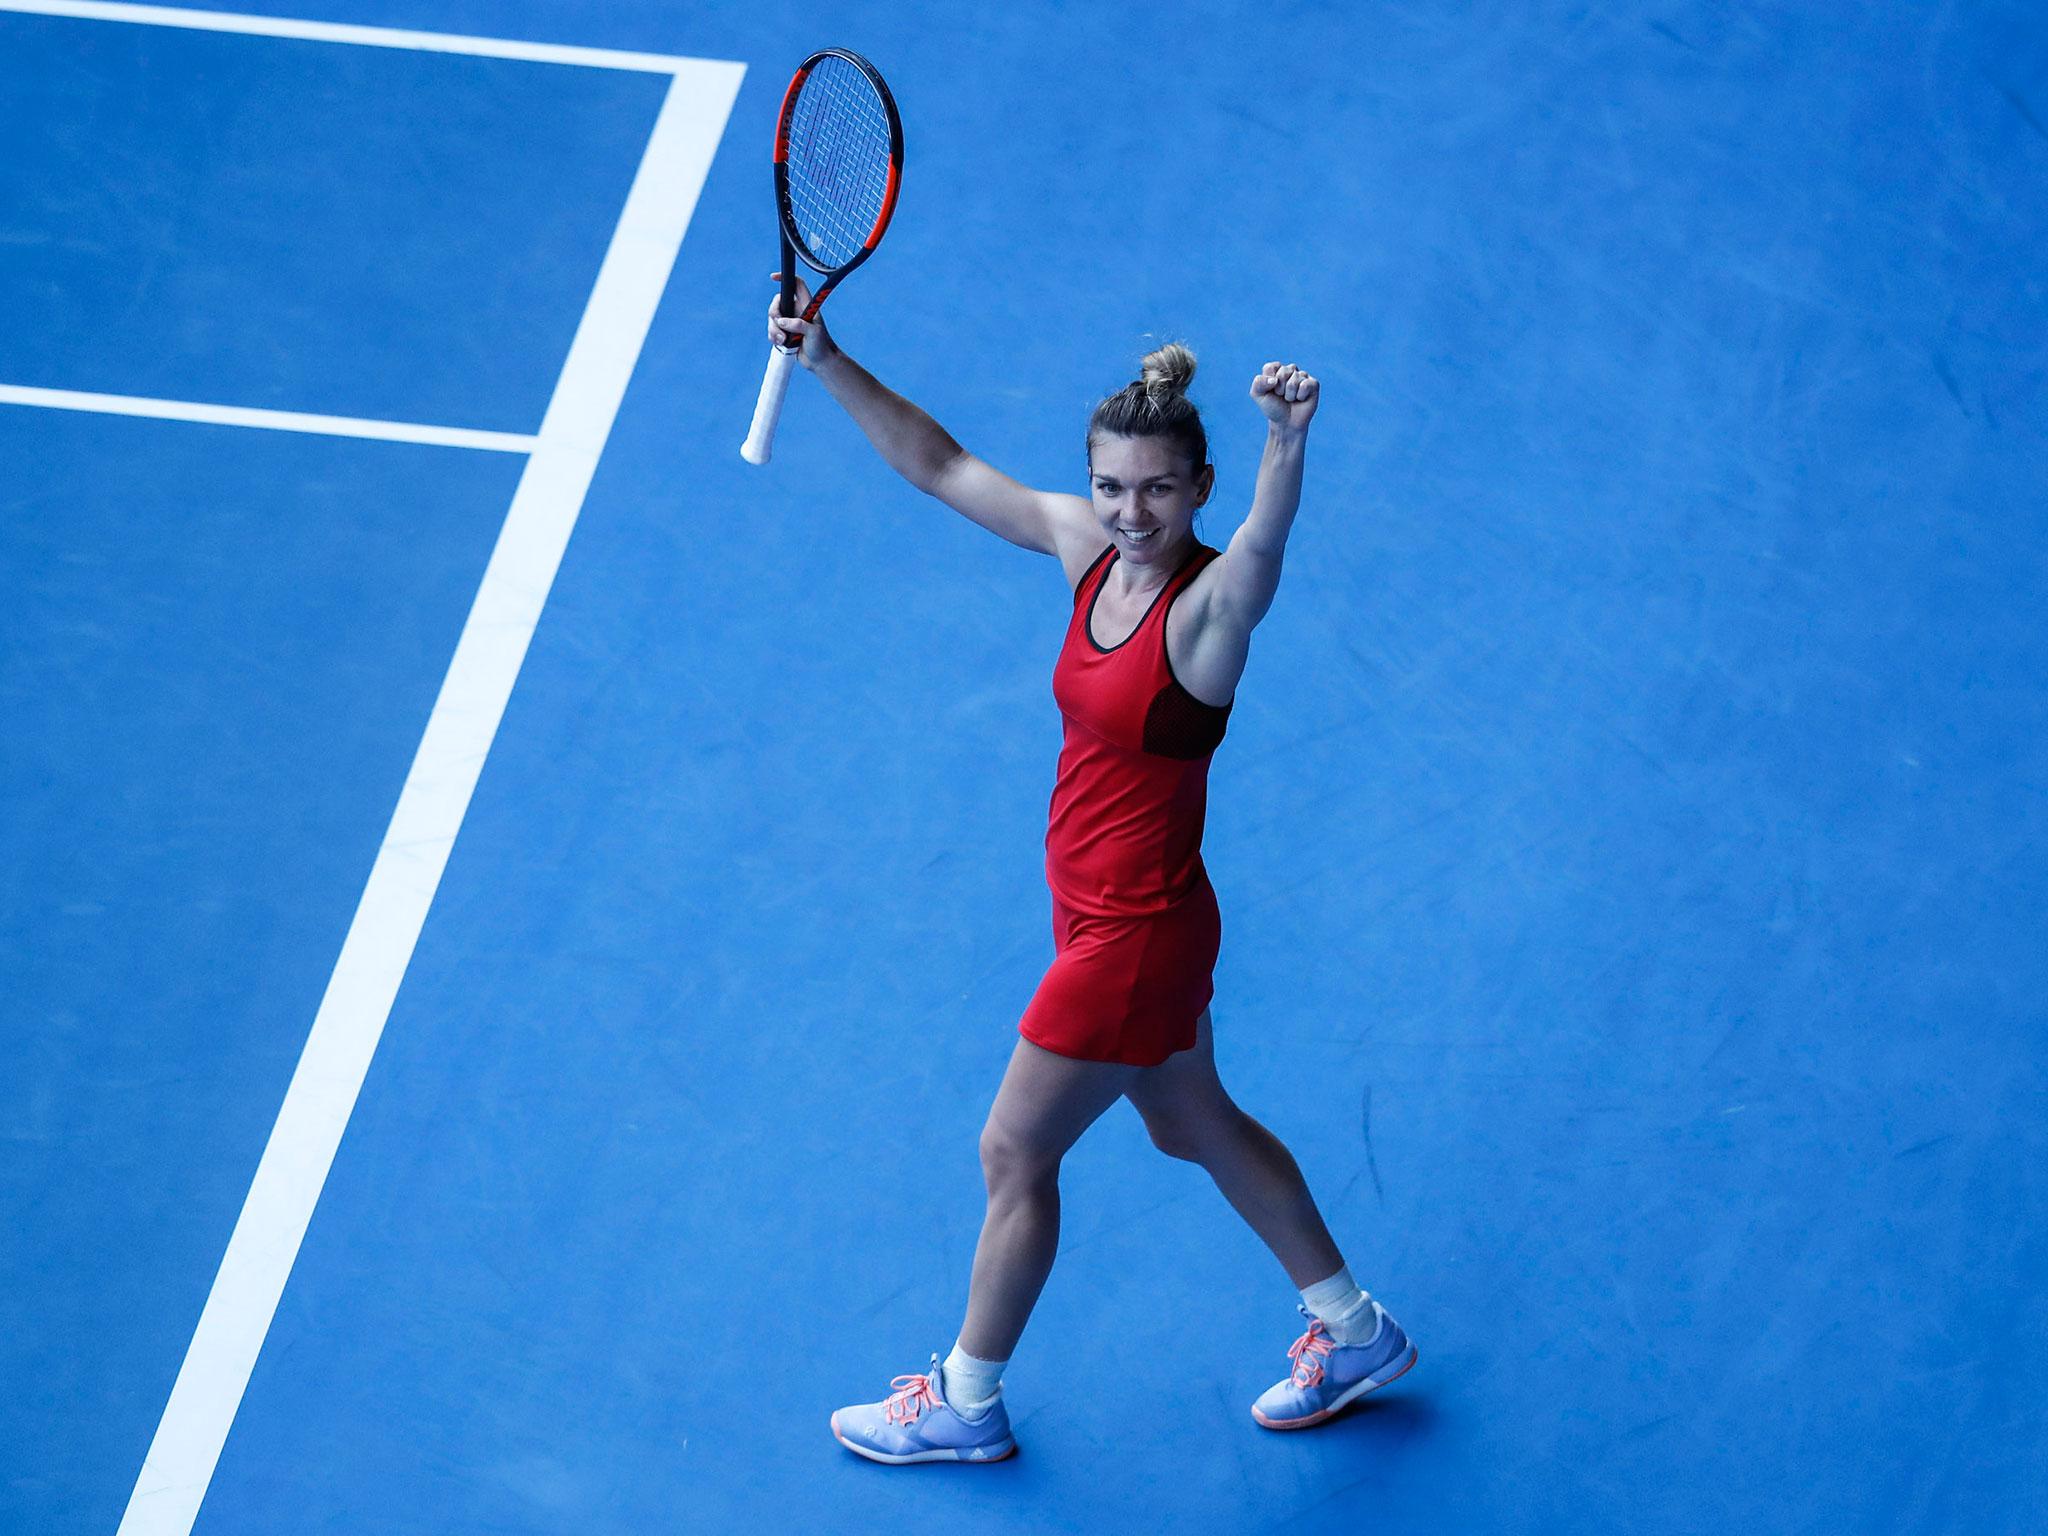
768,409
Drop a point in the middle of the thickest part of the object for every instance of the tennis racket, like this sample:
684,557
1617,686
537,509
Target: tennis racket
838,163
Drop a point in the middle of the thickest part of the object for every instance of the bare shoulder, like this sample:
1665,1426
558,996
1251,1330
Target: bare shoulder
1076,535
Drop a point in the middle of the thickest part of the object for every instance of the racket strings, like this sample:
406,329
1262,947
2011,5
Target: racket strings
838,162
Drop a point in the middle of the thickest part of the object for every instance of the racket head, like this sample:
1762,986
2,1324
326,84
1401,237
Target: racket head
838,165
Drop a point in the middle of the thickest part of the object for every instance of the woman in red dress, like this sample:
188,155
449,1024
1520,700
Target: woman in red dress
1160,631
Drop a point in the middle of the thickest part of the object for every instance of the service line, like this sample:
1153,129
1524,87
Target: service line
255,416
366,37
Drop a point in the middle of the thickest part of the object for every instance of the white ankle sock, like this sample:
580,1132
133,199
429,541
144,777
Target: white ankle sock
970,1385
1346,1311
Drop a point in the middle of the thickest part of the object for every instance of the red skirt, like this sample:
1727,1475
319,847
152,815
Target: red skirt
1127,989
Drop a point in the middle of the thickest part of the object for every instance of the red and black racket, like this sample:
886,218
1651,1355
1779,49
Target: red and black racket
838,163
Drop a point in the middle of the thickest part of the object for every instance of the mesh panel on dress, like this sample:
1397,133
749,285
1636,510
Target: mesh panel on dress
1177,724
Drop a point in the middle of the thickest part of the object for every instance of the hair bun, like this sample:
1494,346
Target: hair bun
1168,371
1155,404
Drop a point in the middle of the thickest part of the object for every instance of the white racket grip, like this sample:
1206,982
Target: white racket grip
768,409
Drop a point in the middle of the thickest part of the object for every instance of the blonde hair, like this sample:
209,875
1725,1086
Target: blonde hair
1156,404
1167,371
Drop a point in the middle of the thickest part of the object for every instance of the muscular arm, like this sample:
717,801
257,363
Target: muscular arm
913,444
925,453
1251,573
1248,574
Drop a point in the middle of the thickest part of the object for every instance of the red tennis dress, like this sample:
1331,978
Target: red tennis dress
1134,920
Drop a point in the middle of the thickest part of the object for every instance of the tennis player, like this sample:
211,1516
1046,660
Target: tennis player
1160,630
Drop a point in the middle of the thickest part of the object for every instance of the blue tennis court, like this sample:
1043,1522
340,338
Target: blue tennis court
513,918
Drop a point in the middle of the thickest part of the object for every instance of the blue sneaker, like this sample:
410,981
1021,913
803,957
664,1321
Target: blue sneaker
1327,1375
916,1423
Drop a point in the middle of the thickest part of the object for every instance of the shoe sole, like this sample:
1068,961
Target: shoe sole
1352,1394
973,1453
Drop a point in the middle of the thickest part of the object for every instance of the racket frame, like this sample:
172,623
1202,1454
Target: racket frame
760,441
793,244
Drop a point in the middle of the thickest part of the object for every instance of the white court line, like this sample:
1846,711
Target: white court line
250,416
409,864
368,37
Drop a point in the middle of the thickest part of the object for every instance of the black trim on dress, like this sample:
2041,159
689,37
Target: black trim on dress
1177,724
1088,575
1088,625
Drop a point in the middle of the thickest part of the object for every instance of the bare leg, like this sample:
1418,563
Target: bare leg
1046,1101
1190,1116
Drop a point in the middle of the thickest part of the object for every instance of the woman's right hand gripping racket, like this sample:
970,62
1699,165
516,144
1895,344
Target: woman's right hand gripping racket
838,163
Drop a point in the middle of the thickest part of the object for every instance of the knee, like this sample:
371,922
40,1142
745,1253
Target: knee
1193,1138
1011,1164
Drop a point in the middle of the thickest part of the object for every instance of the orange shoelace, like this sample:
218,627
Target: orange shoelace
1307,1353
913,1395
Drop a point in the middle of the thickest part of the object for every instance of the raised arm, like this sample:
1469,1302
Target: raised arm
925,454
1248,572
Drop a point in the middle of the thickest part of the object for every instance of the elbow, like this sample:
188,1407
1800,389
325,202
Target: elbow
929,470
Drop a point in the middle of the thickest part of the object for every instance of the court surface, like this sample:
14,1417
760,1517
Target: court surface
1628,835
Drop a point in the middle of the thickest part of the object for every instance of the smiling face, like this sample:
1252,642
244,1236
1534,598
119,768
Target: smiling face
1145,495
